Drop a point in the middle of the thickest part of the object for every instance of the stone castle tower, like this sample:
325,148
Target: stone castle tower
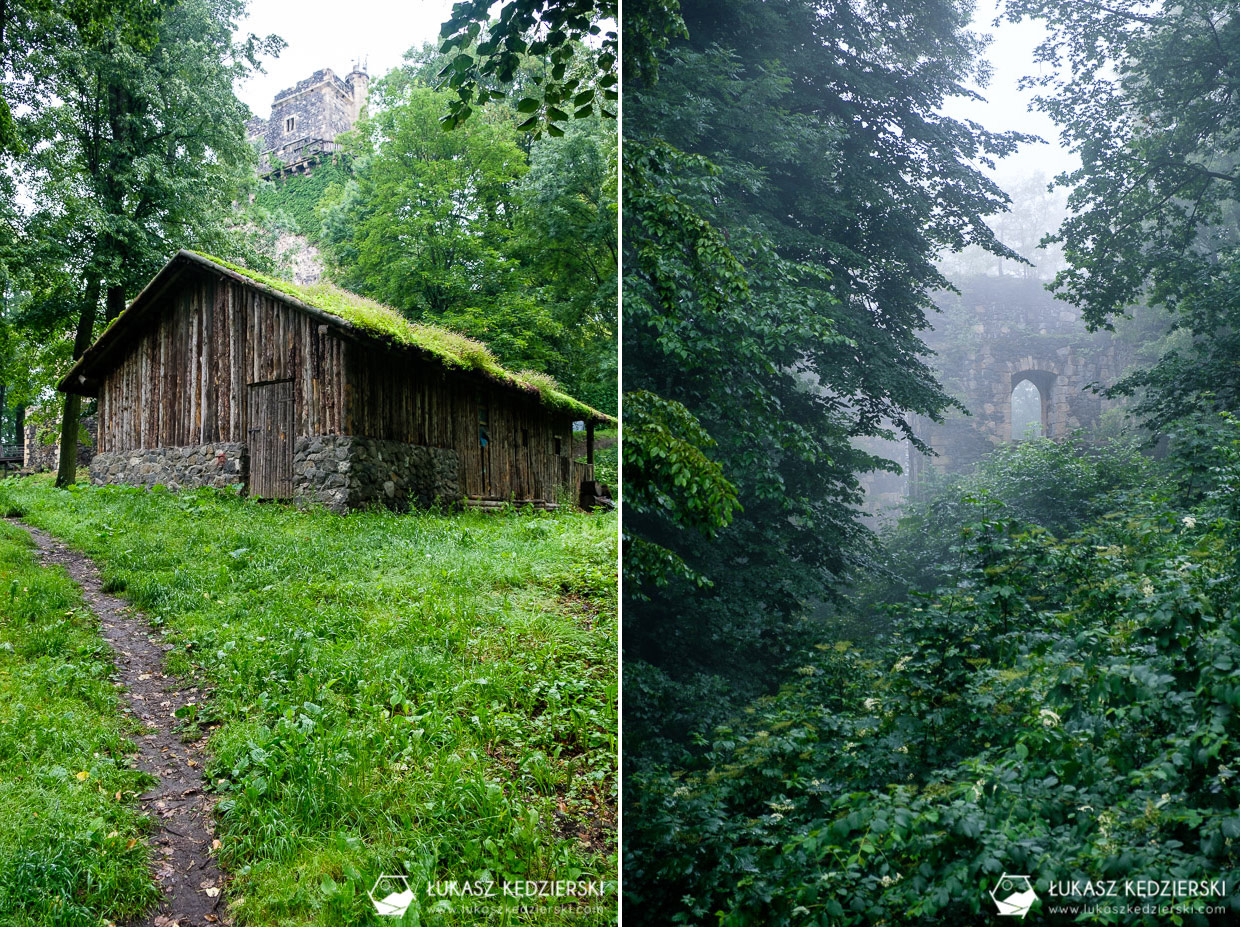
305,120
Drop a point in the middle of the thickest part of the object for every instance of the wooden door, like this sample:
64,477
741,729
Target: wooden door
484,450
271,440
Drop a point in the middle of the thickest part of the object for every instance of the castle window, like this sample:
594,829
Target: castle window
289,123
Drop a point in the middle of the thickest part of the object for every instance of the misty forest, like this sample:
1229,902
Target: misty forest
932,467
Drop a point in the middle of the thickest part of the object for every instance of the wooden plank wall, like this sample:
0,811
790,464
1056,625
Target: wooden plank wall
396,398
183,381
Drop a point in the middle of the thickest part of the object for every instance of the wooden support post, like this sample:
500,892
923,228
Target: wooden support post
590,442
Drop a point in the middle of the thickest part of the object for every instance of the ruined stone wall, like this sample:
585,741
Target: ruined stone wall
256,131
219,465
321,107
346,471
41,457
995,334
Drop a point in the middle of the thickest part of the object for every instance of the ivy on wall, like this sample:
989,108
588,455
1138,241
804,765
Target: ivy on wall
299,195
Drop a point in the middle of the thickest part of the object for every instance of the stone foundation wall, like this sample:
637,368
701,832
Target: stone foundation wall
219,465
41,457
340,471
347,471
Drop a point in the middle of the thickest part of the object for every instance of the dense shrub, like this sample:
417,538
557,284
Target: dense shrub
1064,709
1053,485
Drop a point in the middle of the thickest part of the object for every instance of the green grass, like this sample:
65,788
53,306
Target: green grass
70,853
431,695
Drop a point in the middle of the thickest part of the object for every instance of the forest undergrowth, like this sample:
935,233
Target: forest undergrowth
1048,688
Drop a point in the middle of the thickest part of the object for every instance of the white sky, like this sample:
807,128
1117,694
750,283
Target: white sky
334,34
331,34
1007,107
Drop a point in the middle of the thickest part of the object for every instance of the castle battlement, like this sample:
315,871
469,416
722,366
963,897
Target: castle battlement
306,119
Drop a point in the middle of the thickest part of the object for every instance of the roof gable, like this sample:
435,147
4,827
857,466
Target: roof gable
362,318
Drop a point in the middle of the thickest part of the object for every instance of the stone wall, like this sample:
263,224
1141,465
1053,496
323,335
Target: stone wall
218,465
994,334
346,471
322,107
997,333
339,471
41,457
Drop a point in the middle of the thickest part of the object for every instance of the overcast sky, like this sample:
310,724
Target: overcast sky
334,34
1006,106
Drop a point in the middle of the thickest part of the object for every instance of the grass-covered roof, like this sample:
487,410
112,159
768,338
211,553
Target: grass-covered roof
451,348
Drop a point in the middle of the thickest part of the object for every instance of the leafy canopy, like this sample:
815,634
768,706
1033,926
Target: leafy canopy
509,240
789,182
487,54
1144,94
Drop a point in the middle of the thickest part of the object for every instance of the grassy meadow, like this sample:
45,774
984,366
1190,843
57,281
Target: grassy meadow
428,695
71,850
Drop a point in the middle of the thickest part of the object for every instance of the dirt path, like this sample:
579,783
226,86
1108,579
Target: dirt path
181,812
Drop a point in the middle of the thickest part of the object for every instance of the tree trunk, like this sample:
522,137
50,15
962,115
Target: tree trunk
66,475
116,303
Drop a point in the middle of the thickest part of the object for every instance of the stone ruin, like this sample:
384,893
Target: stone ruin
42,450
305,120
996,334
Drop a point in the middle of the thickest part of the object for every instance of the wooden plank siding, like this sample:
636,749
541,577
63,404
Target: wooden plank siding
184,377
394,397
184,381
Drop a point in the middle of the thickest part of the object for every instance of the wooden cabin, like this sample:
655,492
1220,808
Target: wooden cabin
216,376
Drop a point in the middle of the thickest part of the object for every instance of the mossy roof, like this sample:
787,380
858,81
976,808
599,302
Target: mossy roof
374,319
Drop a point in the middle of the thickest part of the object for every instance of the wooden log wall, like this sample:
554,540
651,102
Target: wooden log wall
183,381
398,398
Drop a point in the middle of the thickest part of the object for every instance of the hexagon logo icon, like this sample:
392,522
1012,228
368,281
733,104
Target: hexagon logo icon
1014,895
391,895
